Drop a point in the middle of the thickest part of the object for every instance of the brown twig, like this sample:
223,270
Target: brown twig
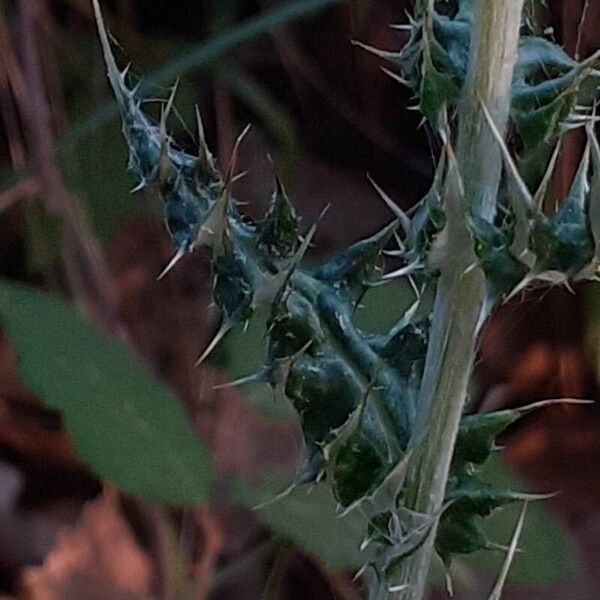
342,587
85,264
341,584
161,548
212,542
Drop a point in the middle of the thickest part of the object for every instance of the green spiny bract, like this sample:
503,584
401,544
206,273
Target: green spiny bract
356,393
548,86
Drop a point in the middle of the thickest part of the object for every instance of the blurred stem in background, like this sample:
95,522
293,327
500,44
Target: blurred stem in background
85,265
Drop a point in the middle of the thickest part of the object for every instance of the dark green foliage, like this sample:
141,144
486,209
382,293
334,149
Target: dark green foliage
278,233
233,292
469,500
467,497
353,271
565,242
405,350
356,393
547,83
321,406
355,458
493,249
434,61
476,437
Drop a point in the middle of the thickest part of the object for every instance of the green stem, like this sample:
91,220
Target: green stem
493,56
461,289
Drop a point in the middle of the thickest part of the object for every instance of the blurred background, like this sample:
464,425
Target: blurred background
327,115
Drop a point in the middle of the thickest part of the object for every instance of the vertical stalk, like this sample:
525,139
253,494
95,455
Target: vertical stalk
494,49
461,290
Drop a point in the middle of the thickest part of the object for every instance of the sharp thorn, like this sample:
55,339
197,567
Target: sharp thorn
239,176
402,26
401,272
359,573
176,258
507,157
396,77
234,153
254,377
510,554
277,498
396,210
541,191
523,410
401,245
200,126
171,101
221,333
381,53
140,186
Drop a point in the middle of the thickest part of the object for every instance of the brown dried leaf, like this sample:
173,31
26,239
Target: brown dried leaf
99,559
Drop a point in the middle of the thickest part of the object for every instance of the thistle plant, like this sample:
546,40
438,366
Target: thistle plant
383,415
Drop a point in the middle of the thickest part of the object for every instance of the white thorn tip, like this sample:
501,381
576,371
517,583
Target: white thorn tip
223,330
396,210
396,77
178,256
381,53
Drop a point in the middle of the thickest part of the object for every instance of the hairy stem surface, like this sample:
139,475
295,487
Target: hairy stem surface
461,289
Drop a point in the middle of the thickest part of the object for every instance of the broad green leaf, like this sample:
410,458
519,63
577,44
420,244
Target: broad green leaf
127,426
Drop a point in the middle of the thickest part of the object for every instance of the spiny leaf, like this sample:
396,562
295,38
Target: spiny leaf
353,271
565,243
493,249
547,85
468,499
477,435
278,233
434,60
477,432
